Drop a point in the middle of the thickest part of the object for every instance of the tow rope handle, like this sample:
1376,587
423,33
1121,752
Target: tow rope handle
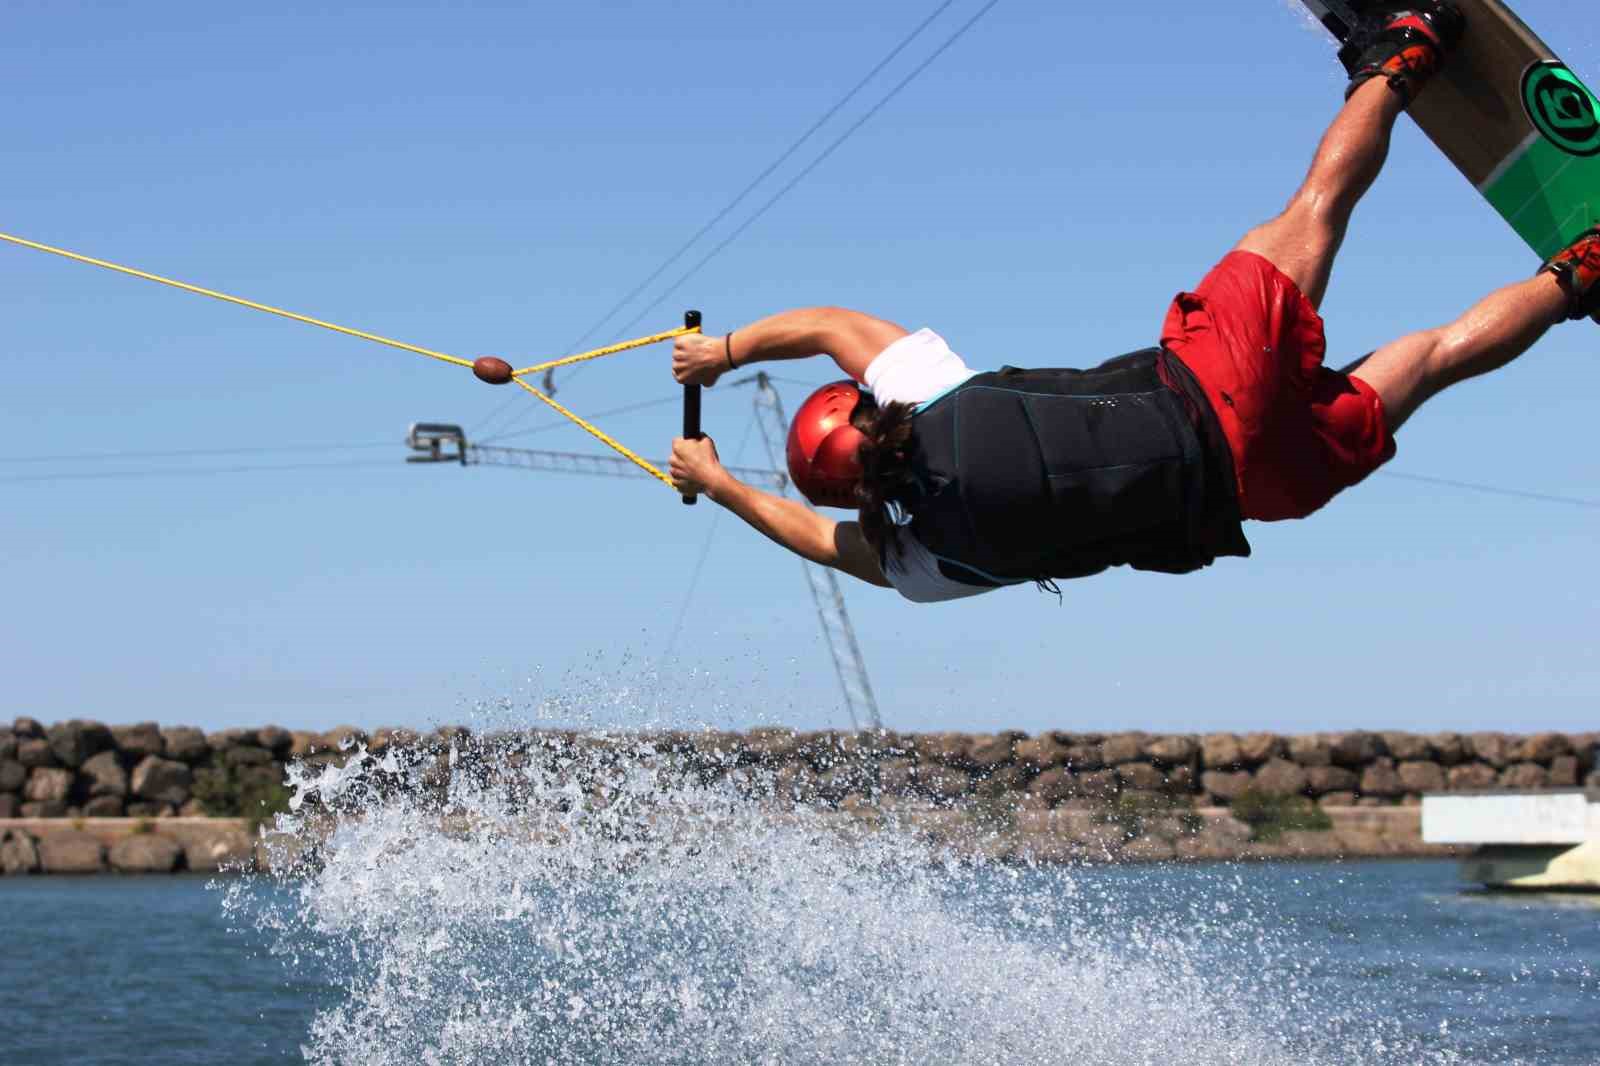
691,401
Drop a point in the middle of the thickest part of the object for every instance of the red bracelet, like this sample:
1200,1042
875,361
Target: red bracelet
727,347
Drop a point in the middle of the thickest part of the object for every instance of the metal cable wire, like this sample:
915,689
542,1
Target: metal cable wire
626,409
705,552
114,475
767,172
1492,490
188,453
826,152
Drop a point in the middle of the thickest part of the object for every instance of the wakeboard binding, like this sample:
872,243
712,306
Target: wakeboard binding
1577,268
1404,43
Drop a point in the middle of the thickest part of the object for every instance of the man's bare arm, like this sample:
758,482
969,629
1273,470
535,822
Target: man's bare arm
841,545
851,338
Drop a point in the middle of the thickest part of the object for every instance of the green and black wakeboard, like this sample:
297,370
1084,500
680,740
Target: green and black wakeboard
1510,115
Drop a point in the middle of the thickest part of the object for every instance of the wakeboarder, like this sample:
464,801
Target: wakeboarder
966,481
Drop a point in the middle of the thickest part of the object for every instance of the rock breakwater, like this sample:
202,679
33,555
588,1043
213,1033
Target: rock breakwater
1058,795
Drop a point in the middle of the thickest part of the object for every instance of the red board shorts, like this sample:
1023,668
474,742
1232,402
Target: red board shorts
1299,432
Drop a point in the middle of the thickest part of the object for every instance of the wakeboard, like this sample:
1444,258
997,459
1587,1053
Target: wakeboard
1510,115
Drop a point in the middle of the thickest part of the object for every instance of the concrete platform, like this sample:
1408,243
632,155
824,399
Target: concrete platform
1539,841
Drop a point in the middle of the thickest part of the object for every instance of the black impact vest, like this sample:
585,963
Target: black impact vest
1033,474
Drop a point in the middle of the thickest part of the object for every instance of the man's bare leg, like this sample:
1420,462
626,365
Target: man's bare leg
1500,327
1303,240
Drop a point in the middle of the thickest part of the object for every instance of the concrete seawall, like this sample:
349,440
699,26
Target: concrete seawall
1206,834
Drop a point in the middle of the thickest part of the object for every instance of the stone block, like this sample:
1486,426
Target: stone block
1053,785
1172,750
145,853
1407,747
1311,749
47,785
103,775
150,809
1337,799
1041,752
19,853
1085,756
10,805
1324,779
987,752
223,739
346,737
1471,777
27,728
1586,746
1449,749
13,775
246,755
1258,748
1225,785
35,752
1141,777
276,740
162,780
74,741
71,853
1564,771
1522,775
946,748
1380,779
1004,780
1183,780
1220,751
1121,748
1355,749
218,849
1280,777
1491,748
1097,784
1421,777
1541,748
138,740
185,744
43,809
8,745
105,807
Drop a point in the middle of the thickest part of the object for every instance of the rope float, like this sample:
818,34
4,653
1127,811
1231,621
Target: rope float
488,368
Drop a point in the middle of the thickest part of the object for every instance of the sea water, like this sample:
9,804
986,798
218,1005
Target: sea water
608,907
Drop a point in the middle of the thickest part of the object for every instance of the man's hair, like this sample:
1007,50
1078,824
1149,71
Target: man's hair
885,469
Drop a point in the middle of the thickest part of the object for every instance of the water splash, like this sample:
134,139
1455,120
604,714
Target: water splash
557,898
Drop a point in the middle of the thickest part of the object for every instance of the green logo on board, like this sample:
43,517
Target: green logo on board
1562,108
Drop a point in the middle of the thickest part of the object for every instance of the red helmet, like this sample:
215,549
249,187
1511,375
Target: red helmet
824,459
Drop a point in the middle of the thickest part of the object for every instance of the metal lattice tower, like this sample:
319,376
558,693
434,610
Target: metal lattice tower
837,632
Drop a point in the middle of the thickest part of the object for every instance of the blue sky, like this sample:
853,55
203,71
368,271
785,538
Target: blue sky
491,178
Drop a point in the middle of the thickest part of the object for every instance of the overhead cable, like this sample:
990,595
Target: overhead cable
768,171
826,152
116,475
189,453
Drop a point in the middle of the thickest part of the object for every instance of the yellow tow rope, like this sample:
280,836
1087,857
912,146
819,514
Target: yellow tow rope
516,375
